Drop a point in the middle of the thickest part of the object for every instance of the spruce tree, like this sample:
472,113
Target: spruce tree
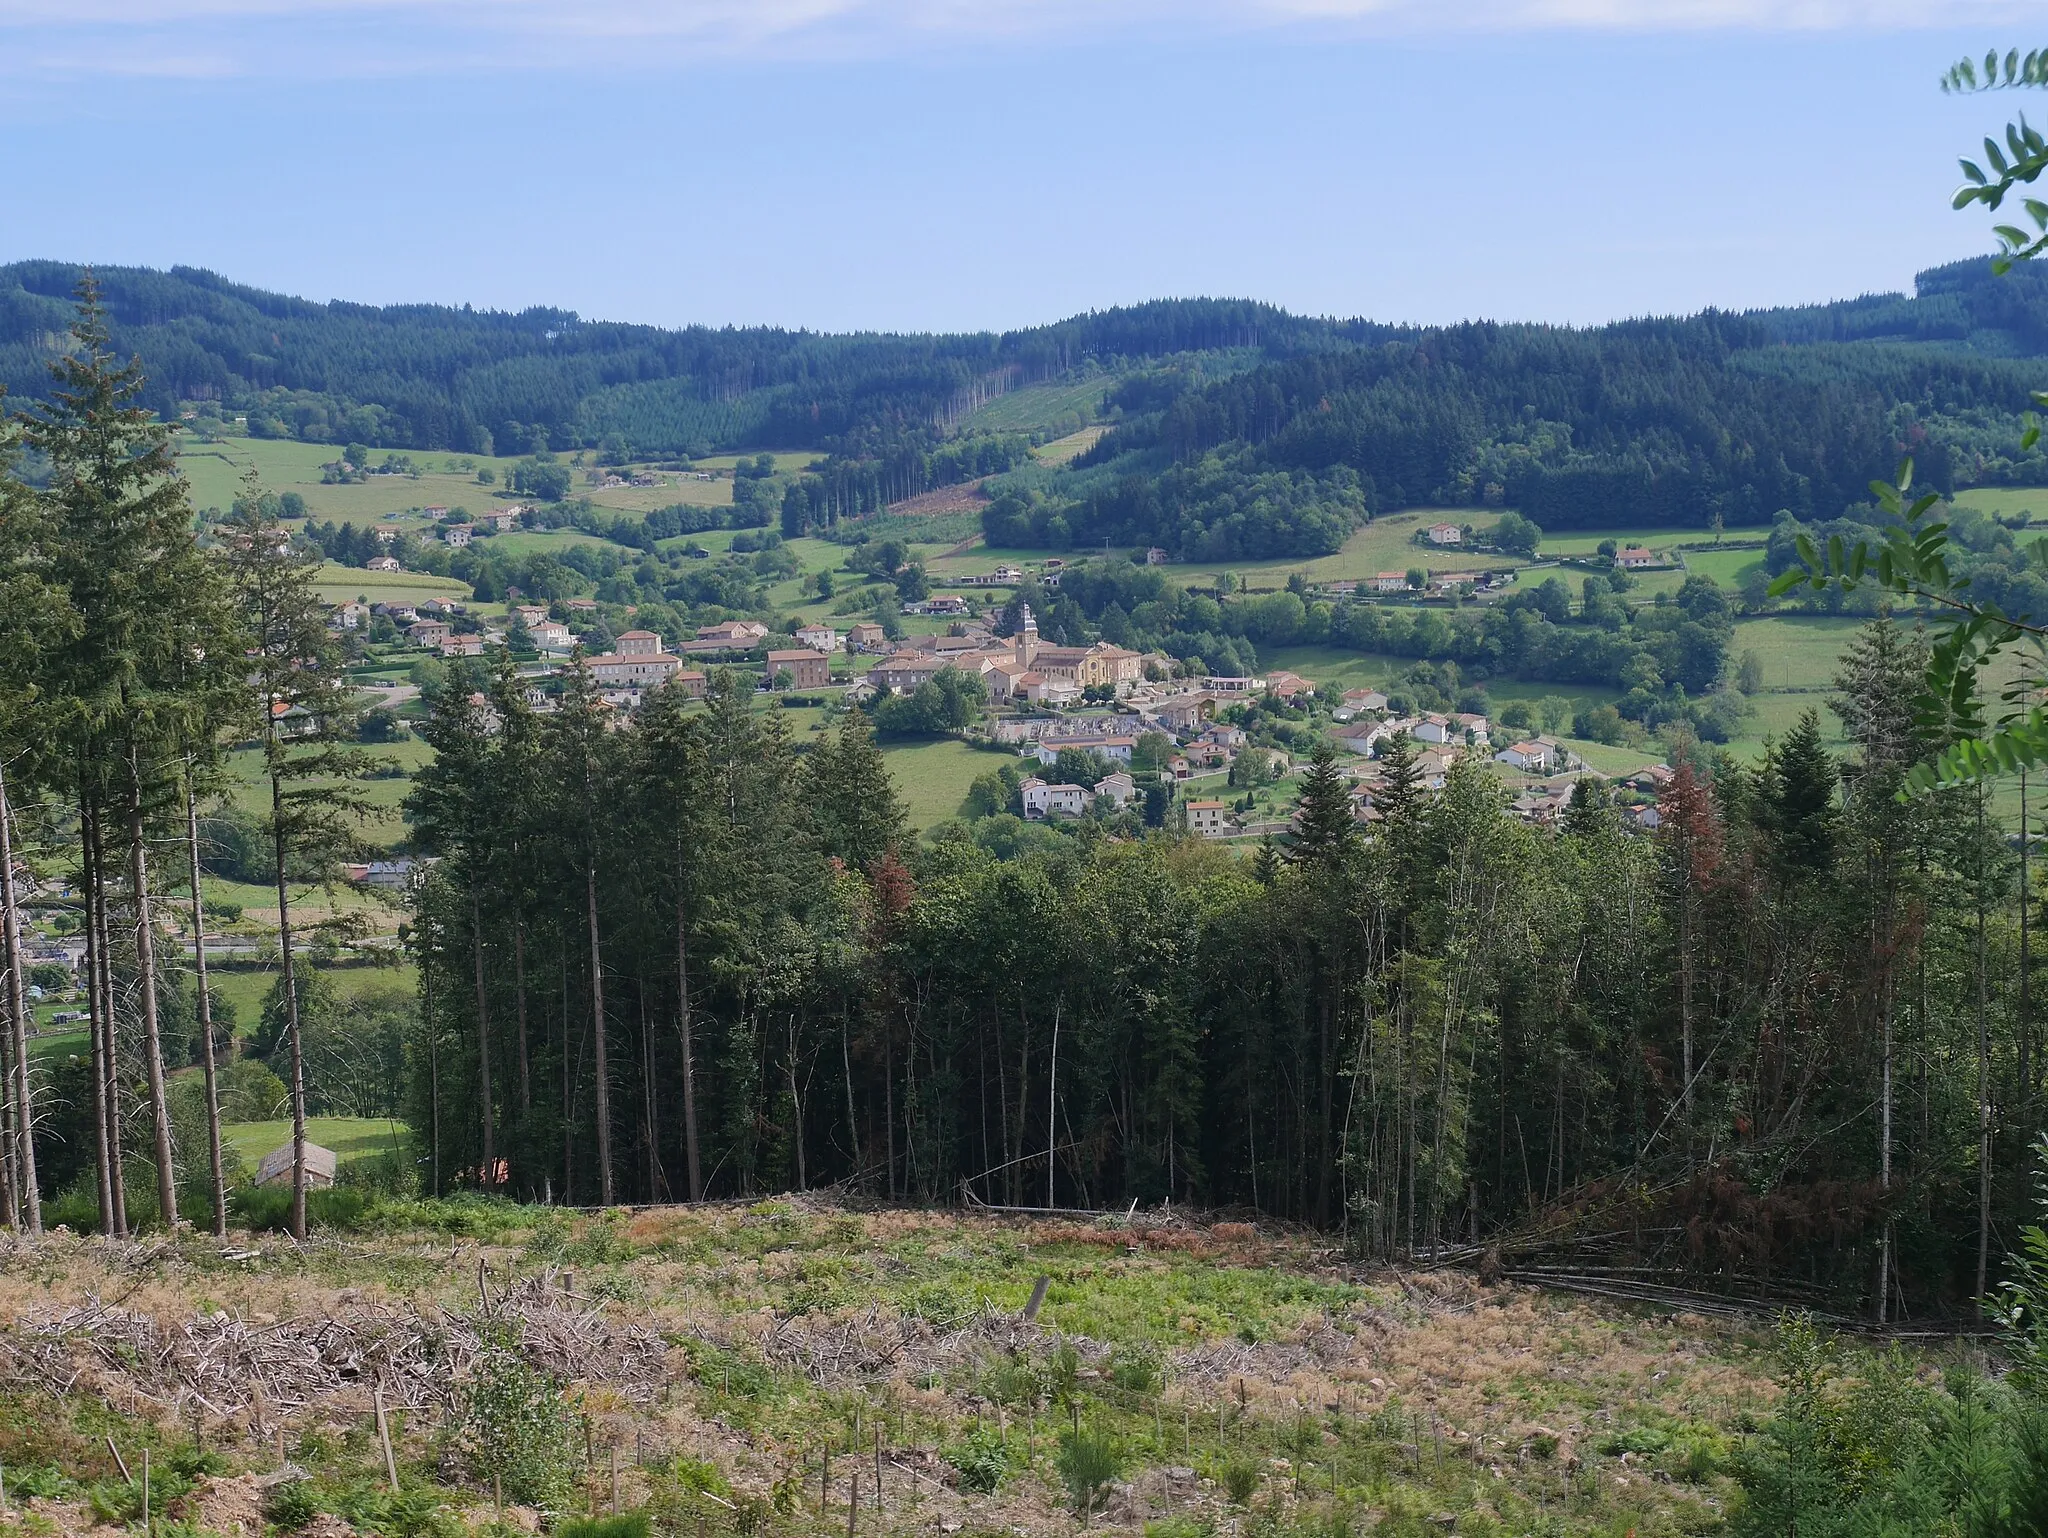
295,674
859,815
35,618
124,552
1798,790
1324,831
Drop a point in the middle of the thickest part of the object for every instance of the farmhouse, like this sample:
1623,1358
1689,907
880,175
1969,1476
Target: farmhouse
458,535
903,672
428,632
1446,534
807,669
1208,818
733,632
1390,582
637,663
819,638
381,563
462,646
1636,557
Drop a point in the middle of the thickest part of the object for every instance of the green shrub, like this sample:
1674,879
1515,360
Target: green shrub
1239,1477
291,1506
1016,1382
1135,1368
676,1501
983,1459
1088,1459
389,1173
628,1524
268,1209
1063,1373
510,1428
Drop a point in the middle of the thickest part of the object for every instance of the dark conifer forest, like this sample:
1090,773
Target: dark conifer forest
1237,429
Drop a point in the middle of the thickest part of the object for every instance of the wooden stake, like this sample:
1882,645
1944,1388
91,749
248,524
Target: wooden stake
853,1503
878,1466
384,1436
120,1462
145,1492
615,1479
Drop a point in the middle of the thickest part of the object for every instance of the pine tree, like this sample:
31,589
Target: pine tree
1590,811
859,815
307,726
35,618
1798,793
1266,863
1324,831
124,552
581,760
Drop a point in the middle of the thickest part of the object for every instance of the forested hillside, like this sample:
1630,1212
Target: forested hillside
1239,431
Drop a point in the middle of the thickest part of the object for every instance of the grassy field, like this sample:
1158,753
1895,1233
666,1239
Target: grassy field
1237,1378
350,1137
214,471
245,987
1041,406
1724,566
2006,501
933,777
338,584
1065,450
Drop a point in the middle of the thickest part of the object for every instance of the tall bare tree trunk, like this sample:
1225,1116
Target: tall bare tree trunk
111,1053
1052,1103
216,1175
519,988
30,1210
1983,1076
483,1037
604,1099
145,966
683,1026
291,1008
96,1012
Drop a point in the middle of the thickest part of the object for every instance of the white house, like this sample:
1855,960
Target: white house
1208,818
381,563
819,638
1531,754
1119,787
1116,748
1635,558
1390,582
1042,800
1446,534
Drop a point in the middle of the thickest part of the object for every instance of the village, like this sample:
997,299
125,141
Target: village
1096,730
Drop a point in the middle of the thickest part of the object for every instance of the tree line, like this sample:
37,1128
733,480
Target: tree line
1788,1040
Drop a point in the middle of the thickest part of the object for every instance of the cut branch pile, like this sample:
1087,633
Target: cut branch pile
227,1367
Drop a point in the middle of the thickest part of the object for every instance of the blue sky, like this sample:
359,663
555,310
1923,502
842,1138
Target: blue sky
956,164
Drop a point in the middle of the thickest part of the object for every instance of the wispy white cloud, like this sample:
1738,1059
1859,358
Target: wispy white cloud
294,37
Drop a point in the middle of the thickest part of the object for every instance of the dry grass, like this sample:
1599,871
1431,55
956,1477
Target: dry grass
788,1324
